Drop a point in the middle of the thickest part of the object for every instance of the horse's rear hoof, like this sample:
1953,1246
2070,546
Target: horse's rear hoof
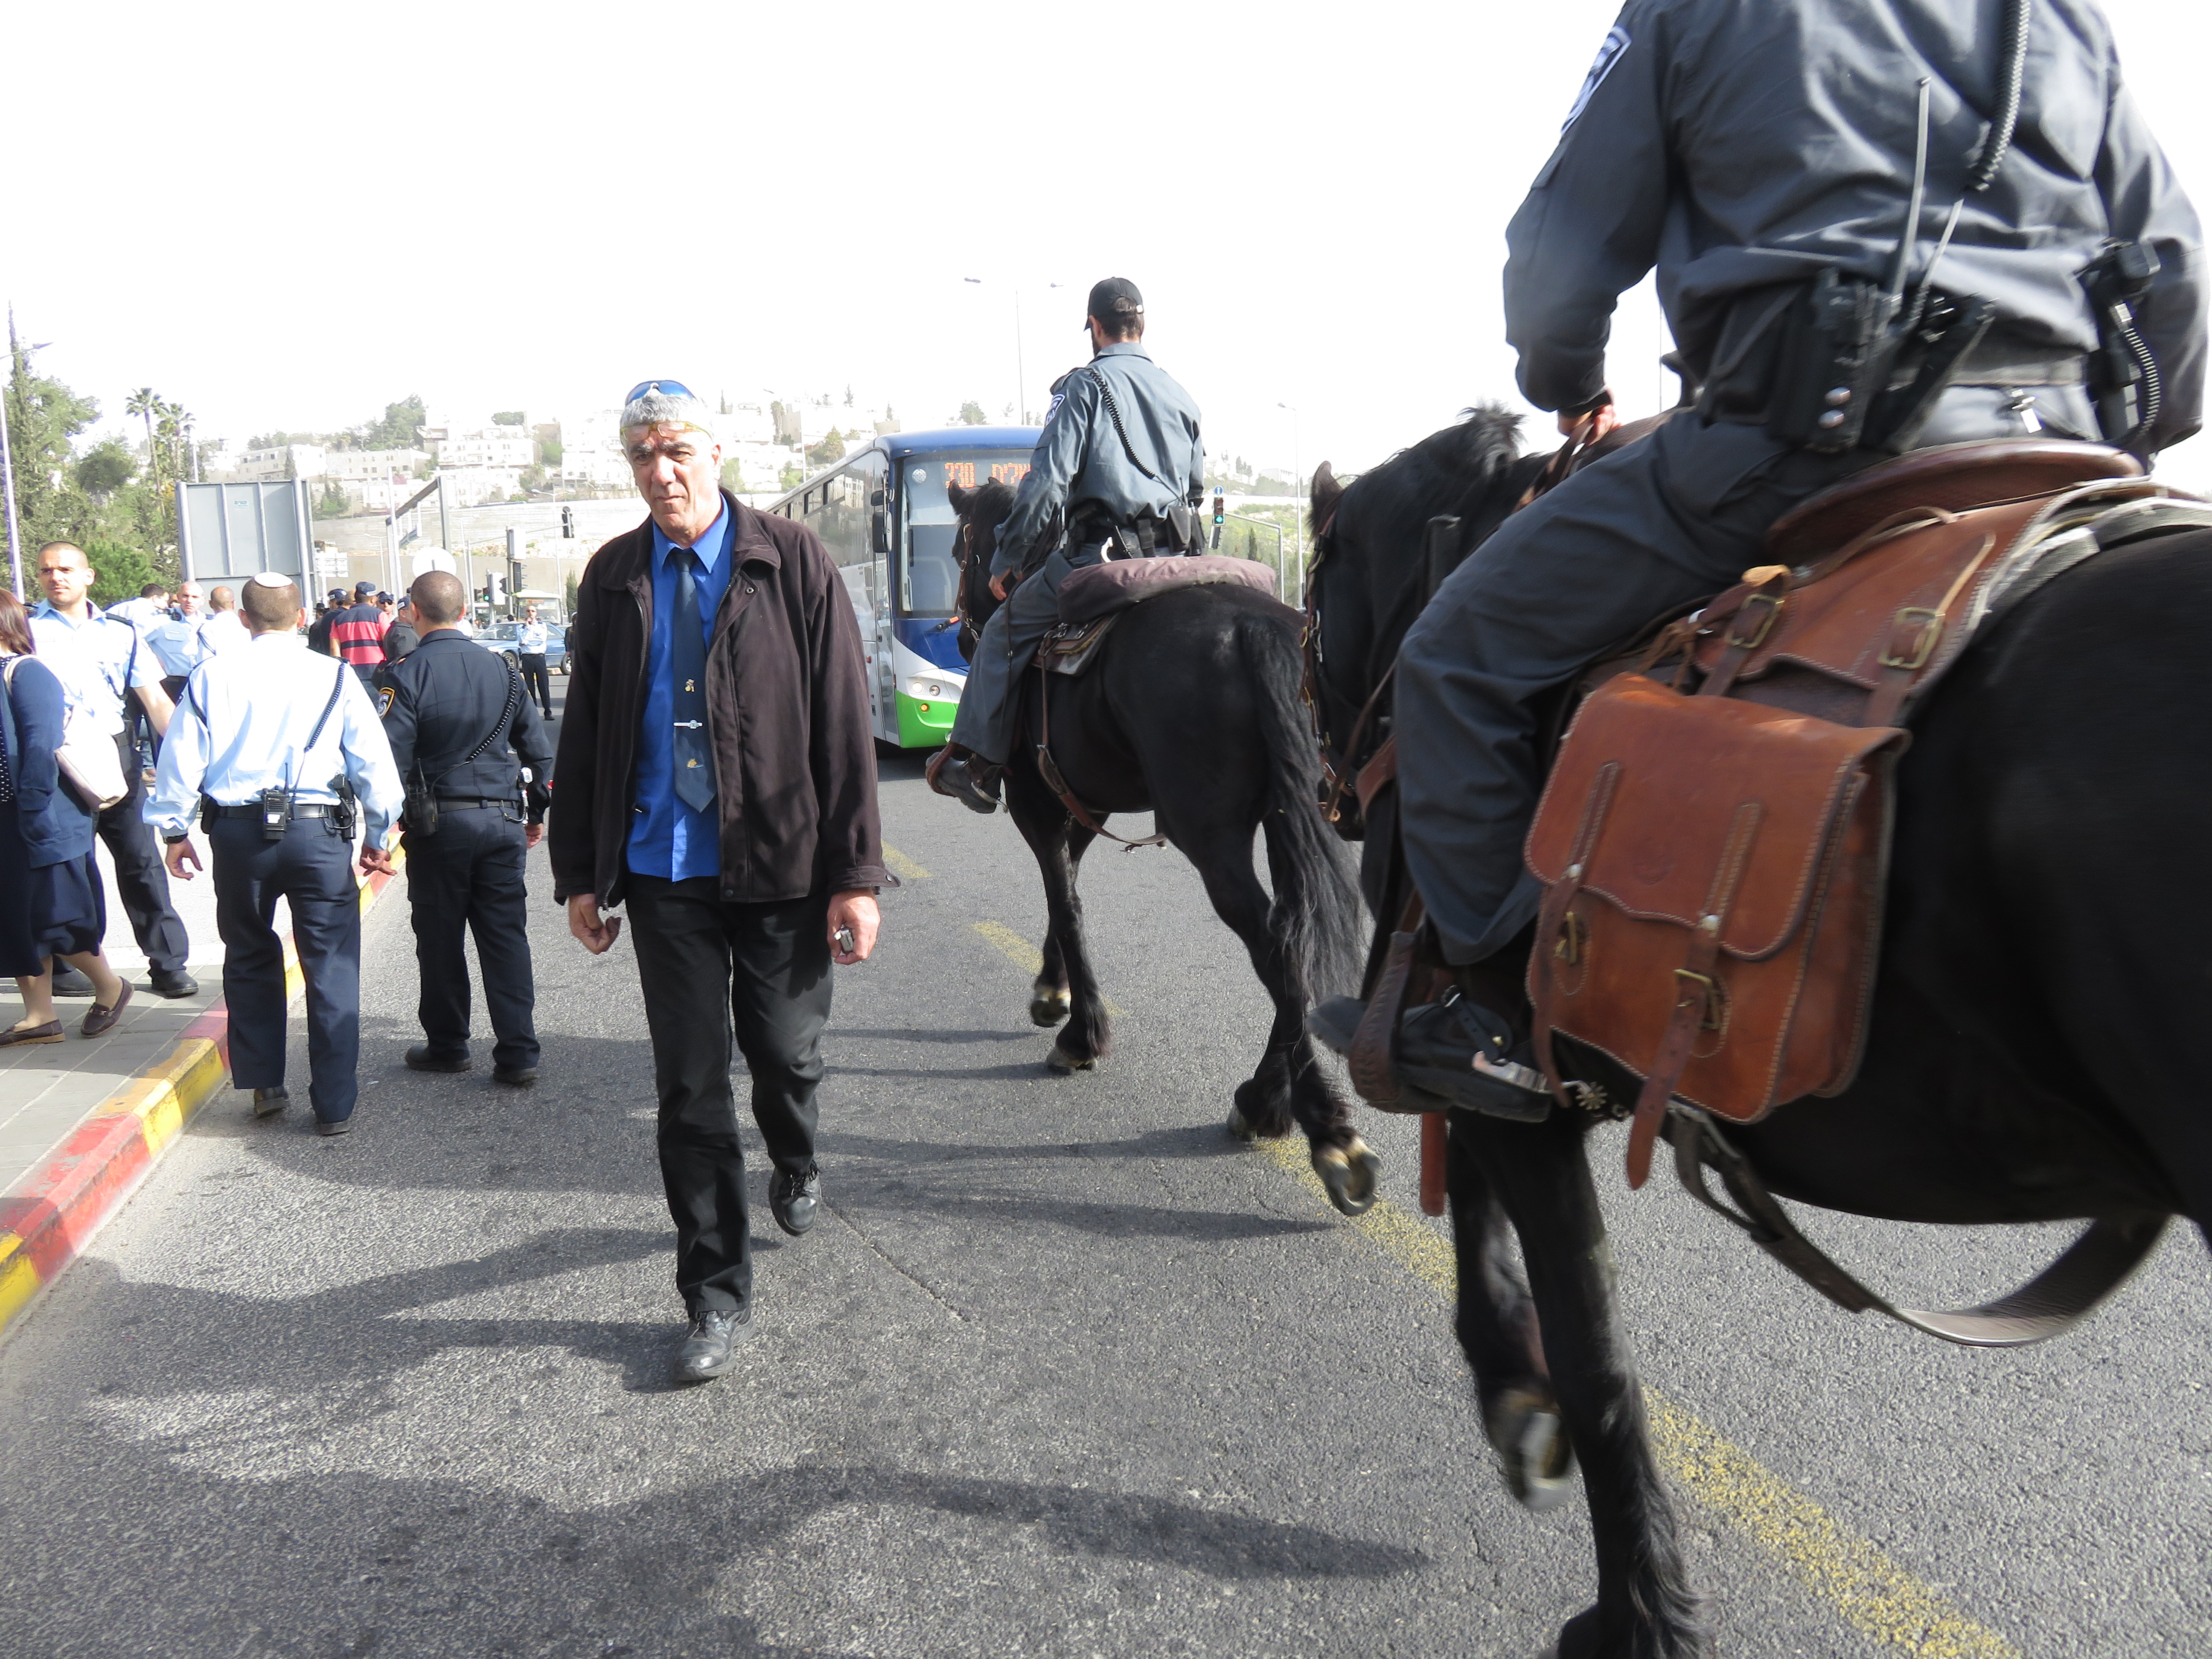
1062,1062
1351,1173
1537,1458
1049,1004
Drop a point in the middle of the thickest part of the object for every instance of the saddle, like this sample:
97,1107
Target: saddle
1713,840
1094,597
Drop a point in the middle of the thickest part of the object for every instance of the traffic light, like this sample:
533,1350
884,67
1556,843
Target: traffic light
569,523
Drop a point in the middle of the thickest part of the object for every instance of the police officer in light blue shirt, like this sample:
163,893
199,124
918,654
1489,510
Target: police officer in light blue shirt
267,744
1120,459
101,661
175,641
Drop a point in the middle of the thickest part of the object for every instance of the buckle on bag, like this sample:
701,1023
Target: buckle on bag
1912,651
1764,625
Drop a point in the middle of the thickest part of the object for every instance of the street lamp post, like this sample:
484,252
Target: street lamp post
1297,489
8,485
1021,360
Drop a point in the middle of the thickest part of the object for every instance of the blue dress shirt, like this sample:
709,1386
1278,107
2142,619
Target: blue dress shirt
668,839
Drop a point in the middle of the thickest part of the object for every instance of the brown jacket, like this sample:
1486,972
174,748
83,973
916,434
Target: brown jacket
786,718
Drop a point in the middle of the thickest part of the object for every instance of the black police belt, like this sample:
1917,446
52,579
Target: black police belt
1143,538
212,810
479,803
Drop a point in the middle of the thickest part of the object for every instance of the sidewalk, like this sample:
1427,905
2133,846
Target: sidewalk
81,1122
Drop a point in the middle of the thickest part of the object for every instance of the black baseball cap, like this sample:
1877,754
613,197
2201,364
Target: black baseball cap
336,593
1115,298
363,590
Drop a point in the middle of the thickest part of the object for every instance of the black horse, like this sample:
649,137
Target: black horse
1191,712
2031,1053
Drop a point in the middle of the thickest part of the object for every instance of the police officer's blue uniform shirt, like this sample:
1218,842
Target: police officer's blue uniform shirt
669,839
177,644
243,721
99,662
1080,458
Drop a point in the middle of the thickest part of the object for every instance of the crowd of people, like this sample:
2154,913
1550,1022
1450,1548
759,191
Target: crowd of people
301,747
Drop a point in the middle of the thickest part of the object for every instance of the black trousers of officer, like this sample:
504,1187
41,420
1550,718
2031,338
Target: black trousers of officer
312,869
1643,534
467,878
141,879
536,682
707,966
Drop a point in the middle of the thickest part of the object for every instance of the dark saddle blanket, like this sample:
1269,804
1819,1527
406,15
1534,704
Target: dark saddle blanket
1714,837
1093,598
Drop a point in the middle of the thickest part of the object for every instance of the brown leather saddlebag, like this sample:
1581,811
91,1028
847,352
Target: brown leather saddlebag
1714,870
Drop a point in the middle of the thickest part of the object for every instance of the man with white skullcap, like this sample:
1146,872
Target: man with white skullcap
275,750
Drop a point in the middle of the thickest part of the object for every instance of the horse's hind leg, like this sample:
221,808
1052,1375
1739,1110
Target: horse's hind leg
1058,842
1289,1085
1049,997
1496,1323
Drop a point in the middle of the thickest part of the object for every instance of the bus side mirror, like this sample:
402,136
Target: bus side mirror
879,534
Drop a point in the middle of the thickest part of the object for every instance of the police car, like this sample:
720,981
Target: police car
502,636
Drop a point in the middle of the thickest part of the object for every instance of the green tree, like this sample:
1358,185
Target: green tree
972,413
831,449
733,476
105,468
146,403
397,429
43,418
119,570
791,478
332,503
548,450
507,417
568,596
533,477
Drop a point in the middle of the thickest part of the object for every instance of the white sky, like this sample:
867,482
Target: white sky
286,216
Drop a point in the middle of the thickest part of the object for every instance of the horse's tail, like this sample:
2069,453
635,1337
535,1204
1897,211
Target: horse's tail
1317,900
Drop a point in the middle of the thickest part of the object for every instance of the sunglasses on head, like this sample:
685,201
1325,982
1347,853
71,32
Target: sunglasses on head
666,388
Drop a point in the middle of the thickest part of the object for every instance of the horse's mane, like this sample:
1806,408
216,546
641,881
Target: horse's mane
1485,437
988,503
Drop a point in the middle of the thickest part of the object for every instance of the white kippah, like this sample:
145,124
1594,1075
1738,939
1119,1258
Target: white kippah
270,578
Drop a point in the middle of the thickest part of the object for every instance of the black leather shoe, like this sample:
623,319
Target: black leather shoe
711,1343
173,983
967,778
423,1058
515,1077
267,1103
794,1199
67,982
334,1125
1455,1051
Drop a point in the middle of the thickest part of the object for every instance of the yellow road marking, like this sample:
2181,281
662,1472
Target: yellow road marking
1027,958
902,867
1872,1593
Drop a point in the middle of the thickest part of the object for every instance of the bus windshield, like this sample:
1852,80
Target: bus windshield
929,583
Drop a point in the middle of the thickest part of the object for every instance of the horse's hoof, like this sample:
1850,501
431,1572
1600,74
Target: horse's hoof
1533,1449
1049,1004
1062,1062
1351,1173
1237,1127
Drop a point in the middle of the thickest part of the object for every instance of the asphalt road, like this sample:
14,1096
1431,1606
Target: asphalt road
1063,1371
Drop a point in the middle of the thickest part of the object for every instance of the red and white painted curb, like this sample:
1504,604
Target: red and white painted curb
48,1217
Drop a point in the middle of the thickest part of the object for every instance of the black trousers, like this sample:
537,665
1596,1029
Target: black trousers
467,878
707,966
312,869
536,683
142,881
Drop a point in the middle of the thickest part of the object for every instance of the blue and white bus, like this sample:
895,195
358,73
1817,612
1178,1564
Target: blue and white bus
884,514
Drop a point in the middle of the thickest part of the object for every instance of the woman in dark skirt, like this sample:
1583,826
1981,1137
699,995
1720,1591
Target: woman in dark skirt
51,899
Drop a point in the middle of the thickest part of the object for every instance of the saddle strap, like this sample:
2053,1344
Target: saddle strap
1053,780
1374,1078
2087,1271
1696,994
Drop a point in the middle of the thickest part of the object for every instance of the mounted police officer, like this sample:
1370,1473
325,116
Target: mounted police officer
1119,463
275,750
1872,233
462,727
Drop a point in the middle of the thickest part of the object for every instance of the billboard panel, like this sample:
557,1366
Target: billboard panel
237,530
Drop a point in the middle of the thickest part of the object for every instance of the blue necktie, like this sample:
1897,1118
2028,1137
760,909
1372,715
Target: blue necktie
687,675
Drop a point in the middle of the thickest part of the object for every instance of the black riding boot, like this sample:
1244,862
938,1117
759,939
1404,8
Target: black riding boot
965,777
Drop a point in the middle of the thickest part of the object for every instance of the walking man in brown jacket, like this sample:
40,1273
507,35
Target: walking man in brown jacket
716,775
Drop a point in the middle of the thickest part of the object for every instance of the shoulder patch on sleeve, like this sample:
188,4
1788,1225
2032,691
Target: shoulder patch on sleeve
1616,42
385,699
